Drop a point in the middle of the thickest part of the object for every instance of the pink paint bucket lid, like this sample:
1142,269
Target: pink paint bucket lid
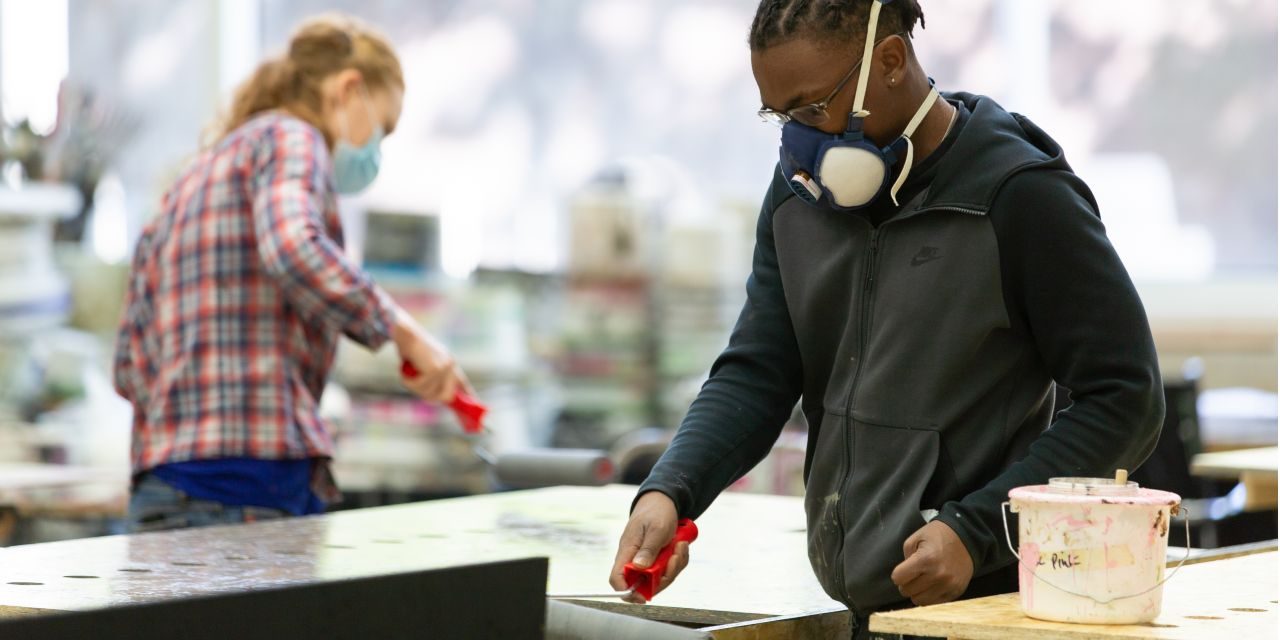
1092,491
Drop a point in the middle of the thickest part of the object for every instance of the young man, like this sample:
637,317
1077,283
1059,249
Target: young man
920,295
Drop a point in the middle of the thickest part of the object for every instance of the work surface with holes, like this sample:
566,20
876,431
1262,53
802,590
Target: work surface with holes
749,561
1233,598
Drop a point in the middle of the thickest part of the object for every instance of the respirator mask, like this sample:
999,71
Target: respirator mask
847,170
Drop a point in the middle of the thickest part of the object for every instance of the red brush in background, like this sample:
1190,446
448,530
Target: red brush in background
531,467
469,410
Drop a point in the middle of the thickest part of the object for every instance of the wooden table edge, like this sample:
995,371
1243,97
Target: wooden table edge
896,624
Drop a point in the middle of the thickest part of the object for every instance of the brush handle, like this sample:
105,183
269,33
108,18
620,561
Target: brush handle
469,410
645,580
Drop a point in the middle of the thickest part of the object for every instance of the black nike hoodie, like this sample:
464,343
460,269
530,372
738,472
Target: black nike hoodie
924,351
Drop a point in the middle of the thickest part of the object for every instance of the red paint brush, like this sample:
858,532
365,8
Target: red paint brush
469,410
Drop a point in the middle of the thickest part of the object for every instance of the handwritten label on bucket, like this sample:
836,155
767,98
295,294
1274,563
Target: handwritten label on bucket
1107,557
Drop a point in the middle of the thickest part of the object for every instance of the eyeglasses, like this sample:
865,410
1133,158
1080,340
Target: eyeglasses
815,114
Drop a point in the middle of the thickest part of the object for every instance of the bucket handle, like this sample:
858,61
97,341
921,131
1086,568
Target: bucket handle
1186,521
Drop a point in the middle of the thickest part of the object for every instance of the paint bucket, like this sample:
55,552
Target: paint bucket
1092,550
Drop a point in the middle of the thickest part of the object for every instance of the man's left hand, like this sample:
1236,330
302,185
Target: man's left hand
937,567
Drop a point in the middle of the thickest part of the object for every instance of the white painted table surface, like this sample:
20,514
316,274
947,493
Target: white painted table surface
748,562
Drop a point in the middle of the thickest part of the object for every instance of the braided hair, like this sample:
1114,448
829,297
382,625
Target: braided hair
779,21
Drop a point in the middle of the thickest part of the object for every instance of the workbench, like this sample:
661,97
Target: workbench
1233,598
19,478
1255,469
749,575
31,490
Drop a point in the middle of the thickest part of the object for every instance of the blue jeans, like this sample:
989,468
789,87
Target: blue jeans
156,505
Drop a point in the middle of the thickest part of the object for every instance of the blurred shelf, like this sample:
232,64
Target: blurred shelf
39,200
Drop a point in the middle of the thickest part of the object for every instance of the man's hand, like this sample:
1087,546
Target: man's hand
651,527
937,567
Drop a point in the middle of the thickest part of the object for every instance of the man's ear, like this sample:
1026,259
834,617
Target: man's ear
892,61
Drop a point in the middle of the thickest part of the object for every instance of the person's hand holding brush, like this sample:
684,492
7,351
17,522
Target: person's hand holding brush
437,375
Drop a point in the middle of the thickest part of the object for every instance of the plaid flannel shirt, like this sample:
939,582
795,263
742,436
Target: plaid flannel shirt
237,296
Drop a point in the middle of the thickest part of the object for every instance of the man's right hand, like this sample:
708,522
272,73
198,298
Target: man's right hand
651,527
439,376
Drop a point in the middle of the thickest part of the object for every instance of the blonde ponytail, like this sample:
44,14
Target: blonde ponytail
321,46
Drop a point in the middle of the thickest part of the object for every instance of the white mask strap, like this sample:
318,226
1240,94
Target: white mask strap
921,113
864,73
911,152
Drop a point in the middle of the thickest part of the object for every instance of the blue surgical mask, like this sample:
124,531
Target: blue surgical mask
354,168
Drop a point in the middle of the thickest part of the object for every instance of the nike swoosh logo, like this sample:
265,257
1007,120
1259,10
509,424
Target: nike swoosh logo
918,260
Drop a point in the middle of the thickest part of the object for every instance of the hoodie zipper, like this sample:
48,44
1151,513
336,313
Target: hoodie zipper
972,212
864,336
